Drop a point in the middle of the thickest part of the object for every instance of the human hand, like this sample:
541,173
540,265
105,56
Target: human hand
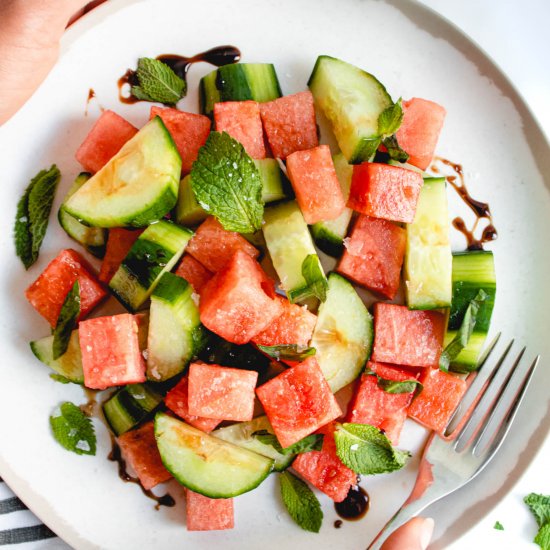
414,535
30,31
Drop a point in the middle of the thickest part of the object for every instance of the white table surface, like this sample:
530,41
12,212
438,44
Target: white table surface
515,34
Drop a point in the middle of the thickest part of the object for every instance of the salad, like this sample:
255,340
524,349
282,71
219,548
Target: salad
217,233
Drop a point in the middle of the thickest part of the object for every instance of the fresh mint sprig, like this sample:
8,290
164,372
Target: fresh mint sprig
301,503
158,82
73,429
66,322
314,276
313,442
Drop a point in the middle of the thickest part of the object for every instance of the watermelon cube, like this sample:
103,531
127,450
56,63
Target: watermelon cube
237,303
372,405
194,272
188,130
177,401
438,400
373,255
313,178
110,351
420,129
407,337
298,402
324,470
119,243
208,514
221,392
289,123
241,120
213,246
49,291
104,141
139,449
385,191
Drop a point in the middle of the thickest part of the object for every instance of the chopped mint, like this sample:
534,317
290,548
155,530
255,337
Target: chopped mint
33,212
396,386
540,507
498,526
394,150
315,278
390,119
158,82
301,503
313,442
543,537
227,184
60,378
66,322
73,429
290,352
366,450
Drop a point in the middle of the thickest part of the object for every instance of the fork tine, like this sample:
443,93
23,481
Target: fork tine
497,425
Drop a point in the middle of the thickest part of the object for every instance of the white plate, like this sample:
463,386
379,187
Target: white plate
415,53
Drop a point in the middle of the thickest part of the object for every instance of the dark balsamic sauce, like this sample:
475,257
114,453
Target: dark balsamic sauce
90,407
116,456
218,56
480,209
338,524
354,506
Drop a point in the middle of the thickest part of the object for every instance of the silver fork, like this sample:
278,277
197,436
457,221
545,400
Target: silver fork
448,464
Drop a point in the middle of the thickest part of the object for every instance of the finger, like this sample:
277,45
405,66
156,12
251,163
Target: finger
414,535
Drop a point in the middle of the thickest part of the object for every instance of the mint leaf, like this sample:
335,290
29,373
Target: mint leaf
158,82
390,119
543,537
366,450
302,505
498,526
394,150
227,184
315,277
73,429
66,322
60,378
290,352
539,506
460,341
33,212
313,442
396,386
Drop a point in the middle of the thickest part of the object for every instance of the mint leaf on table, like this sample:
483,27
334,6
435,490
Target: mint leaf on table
73,429
313,442
66,322
227,184
390,119
543,537
460,341
288,352
396,386
158,82
301,503
60,378
33,212
498,526
394,150
540,507
315,278
366,450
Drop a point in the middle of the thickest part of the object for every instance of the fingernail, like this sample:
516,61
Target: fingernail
426,533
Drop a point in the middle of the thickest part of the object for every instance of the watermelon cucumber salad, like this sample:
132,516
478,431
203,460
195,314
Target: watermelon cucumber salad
235,337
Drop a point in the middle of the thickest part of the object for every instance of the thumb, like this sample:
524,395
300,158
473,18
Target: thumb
414,535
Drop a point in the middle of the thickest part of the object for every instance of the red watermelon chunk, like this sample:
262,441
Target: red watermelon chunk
324,470
289,123
372,405
208,514
220,392
385,191
313,178
104,141
241,120
177,401
110,351
140,451
407,337
373,255
419,132
118,245
49,291
237,303
440,396
213,246
298,402
194,272
188,130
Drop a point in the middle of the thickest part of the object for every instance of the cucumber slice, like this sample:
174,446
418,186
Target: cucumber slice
289,243
138,186
206,464
352,100
428,257
129,406
329,235
239,82
93,239
69,364
173,325
241,435
343,333
155,252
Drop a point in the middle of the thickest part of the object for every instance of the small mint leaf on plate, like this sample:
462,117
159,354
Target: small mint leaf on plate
301,503
498,526
158,82
539,506
73,430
